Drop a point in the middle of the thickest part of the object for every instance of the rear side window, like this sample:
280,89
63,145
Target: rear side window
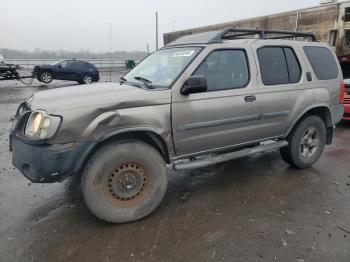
278,66
88,65
322,62
293,65
76,64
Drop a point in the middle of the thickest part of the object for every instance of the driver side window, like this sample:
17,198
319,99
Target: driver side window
225,69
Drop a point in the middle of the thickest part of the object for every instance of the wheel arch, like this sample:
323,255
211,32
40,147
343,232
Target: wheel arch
150,136
82,74
323,111
48,70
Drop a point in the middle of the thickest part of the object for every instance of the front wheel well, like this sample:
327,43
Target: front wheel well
148,137
46,71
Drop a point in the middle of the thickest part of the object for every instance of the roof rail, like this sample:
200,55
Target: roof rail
237,33
232,32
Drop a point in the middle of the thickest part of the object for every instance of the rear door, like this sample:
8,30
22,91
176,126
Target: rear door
227,114
282,87
64,70
77,70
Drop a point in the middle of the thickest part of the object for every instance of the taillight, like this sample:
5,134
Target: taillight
342,92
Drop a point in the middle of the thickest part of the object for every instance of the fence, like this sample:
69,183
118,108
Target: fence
101,64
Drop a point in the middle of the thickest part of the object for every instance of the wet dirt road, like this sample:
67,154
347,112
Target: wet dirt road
252,209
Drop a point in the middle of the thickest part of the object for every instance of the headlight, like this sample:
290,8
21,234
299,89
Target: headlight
41,125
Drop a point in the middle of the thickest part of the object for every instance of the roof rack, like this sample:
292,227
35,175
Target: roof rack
237,33
232,32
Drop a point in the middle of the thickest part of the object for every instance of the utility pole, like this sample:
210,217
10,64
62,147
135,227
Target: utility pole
110,52
156,30
147,49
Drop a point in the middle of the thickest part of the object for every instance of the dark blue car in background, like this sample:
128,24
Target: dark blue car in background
74,70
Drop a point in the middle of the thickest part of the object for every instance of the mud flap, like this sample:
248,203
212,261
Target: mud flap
329,135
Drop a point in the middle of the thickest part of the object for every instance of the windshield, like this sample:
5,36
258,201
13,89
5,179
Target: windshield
161,68
56,62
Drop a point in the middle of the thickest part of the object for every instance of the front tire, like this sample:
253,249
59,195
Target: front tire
306,143
124,182
46,77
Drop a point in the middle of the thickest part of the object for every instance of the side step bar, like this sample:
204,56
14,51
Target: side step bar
208,161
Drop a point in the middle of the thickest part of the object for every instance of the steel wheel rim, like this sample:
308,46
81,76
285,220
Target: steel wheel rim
127,184
87,79
310,142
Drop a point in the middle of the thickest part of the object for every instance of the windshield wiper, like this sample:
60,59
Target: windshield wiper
147,82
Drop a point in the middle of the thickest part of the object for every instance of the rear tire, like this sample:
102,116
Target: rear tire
46,77
86,79
306,143
124,182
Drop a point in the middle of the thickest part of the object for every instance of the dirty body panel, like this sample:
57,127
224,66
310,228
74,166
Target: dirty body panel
90,115
222,120
100,109
49,163
244,112
218,119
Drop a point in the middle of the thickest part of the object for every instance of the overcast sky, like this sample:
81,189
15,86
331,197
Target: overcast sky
84,24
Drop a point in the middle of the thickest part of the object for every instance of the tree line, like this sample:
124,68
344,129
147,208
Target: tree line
64,54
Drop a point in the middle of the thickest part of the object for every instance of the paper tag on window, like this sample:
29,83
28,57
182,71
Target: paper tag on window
183,53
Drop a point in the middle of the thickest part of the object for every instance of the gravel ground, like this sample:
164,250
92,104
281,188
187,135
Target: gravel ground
252,209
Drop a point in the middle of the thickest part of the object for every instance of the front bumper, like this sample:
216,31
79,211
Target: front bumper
48,163
346,112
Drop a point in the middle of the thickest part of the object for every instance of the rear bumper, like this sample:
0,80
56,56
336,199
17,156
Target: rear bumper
48,163
96,78
346,112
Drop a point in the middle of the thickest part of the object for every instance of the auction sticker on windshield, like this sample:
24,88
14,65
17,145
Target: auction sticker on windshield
183,53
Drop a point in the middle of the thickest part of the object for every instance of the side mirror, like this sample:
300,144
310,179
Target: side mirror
59,66
194,84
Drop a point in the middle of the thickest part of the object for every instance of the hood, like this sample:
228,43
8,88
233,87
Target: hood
45,66
100,95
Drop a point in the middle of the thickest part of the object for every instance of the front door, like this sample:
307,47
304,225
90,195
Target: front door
227,114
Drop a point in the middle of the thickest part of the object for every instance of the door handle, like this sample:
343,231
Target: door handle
309,76
250,98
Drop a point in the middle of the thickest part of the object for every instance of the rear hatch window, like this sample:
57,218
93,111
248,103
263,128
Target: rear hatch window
322,62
